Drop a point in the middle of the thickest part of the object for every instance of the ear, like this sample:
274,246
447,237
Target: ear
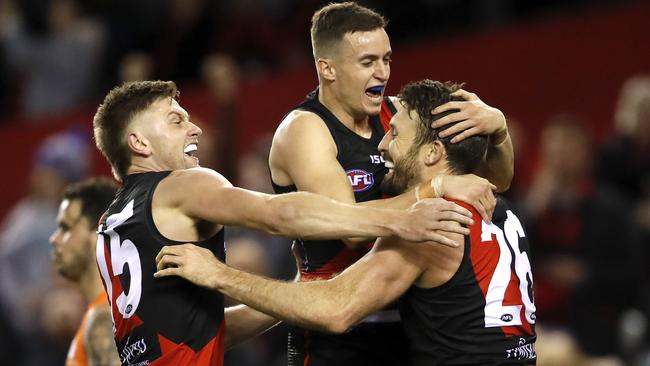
139,144
326,68
434,153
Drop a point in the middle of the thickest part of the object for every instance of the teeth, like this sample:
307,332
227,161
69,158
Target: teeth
191,147
389,164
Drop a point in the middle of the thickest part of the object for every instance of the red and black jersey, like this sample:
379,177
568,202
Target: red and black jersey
378,342
157,321
485,314
365,170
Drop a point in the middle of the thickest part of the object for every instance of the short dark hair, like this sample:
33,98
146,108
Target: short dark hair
95,195
330,23
422,97
115,113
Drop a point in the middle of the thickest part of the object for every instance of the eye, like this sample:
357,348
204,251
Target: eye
388,60
366,63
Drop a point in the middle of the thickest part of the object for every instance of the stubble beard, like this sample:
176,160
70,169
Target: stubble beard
406,175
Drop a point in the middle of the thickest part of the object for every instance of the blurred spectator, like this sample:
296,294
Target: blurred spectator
624,165
61,312
136,66
247,31
220,74
586,243
182,39
249,251
60,63
625,158
262,254
253,167
25,264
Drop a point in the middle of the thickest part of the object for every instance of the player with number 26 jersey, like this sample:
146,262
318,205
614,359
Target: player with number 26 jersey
486,311
189,328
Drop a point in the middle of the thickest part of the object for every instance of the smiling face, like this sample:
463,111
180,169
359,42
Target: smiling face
73,250
361,64
401,155
164,134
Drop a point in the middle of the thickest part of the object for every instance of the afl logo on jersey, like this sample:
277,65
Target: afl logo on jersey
360,179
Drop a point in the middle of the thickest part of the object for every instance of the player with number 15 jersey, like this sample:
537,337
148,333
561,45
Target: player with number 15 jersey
189,327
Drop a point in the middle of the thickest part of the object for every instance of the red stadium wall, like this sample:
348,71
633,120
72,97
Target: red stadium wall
532,71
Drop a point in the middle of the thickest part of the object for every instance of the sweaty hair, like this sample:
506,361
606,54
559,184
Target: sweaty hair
95,195
333,21
116,112
422,97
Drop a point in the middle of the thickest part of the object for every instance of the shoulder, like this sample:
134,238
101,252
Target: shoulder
181,183
299,121
196,176
302,128
475,215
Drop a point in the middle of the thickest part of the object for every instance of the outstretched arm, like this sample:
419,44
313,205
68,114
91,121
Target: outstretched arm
302,214
474,117
334,306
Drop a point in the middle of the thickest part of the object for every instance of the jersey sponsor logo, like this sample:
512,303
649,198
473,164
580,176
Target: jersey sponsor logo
523,352
360,180
129,352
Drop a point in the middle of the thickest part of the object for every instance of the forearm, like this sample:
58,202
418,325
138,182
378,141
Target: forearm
313,305
309,216
498,166
243,323
401,202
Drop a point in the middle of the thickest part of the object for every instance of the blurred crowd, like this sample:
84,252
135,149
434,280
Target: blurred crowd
588,209
57,54
587,203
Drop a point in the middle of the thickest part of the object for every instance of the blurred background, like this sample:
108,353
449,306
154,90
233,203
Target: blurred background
572,77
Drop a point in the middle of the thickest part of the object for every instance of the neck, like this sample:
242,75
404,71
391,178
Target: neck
354,121
139,165
429,172
90,283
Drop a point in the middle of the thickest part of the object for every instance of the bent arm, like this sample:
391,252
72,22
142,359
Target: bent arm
498,166
303,153
473,117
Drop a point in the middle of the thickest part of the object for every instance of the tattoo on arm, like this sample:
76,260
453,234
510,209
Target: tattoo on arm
98,337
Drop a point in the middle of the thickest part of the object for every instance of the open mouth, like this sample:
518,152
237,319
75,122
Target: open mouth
191,149
389,164
375,91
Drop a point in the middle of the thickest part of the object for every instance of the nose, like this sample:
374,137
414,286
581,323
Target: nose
382,71
195,130
54,237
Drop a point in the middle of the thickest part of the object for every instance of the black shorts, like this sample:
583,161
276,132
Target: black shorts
367,344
